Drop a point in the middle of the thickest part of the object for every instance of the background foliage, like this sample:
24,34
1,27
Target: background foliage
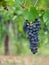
17,11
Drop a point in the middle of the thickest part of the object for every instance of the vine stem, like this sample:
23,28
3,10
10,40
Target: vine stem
36,3
43,8
25,7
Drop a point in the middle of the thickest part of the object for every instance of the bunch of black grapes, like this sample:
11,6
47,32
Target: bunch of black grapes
32,30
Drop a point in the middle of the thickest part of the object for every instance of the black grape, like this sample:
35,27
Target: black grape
34,50
45,28
26,23
32,45
37,24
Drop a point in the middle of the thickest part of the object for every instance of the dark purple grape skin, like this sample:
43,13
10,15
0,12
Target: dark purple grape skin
34,51
25,25
37,23
45,29
33,45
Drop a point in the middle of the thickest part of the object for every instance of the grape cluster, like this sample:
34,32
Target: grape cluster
32,31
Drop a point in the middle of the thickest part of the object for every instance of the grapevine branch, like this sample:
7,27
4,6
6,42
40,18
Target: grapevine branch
25,7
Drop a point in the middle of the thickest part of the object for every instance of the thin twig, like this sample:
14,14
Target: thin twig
43,8
25,7
36,3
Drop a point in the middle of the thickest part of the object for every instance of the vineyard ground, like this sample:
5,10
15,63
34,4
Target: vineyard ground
24,60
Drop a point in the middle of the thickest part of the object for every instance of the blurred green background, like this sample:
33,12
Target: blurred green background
13,13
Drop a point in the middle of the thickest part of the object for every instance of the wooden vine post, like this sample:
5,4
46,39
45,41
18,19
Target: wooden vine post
6,44
7,40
